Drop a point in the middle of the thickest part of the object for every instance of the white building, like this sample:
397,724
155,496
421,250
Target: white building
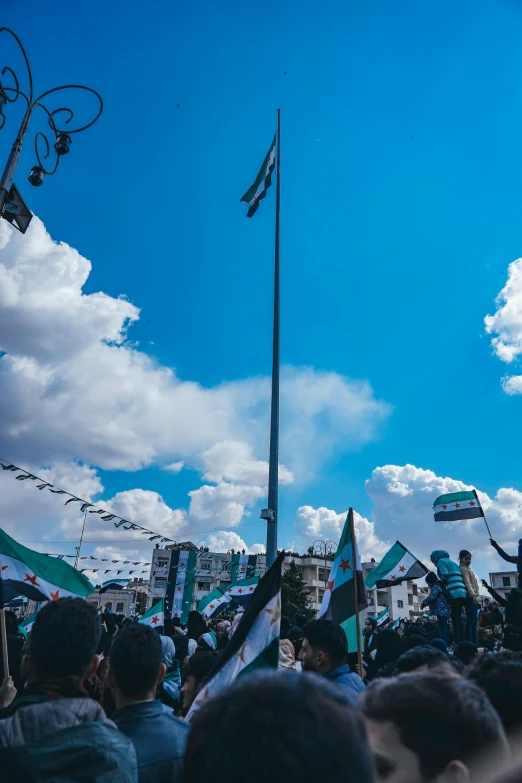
402,600
503,581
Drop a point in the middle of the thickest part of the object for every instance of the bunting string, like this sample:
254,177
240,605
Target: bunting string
107,516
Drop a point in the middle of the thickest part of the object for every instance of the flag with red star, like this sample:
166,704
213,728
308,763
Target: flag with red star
181,580
398,565
255,641
457,506
239,592
257,191
39,577
155,617
339,597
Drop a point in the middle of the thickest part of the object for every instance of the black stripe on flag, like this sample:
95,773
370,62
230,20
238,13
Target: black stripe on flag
342,600
269,586
268,181
417,571
459,513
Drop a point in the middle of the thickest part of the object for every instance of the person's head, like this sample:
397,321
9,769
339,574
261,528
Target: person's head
465,652
11,623
63,641
196,671
511,638
196,624
207,641
311,732
295,634
431,578
440,644
176,622
285,627
324,648
136,666
430,727
420,659
465,558
412,640
389,647
221,630
500,677
370,624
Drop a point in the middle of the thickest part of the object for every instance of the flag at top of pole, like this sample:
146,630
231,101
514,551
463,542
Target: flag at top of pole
457,506
262,182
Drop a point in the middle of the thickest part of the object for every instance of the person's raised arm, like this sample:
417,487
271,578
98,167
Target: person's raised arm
499,598
504,555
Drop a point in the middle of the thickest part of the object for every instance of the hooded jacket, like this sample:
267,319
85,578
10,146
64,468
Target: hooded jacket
449,573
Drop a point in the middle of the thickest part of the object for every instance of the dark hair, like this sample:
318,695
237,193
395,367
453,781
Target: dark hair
465,652
420,656
327,636
413,640
431,578
464,553
200,664
135,659
284,627
500,677
64,638
440,716
282,713
389,647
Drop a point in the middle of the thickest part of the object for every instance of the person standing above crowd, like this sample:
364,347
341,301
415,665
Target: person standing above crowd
324,651
472,598
451,576
136,669
370,639
438,604
515,559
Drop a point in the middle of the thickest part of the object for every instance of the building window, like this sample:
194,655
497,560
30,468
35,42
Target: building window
160,581
369,595
204,586
119,607
162,562
415,589
400,604
506,581
205,566
410,600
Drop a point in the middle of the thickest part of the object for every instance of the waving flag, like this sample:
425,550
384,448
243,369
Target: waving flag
39,577
242,591
339,597
255,643
262,182
214,603
155,617
26,625
456,506
242,566
397,565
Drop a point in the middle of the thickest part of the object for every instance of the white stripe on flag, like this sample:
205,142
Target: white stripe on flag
401,568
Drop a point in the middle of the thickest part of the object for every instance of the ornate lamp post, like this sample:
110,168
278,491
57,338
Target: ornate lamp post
12,207
325,550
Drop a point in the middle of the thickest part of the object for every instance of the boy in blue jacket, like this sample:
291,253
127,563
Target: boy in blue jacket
450,575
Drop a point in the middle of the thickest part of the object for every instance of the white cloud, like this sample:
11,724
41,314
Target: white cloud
512,384
226,539
174,467
73,387
313,524
507,320
233,460
224,504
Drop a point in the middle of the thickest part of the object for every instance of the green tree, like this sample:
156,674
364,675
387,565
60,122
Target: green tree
295,595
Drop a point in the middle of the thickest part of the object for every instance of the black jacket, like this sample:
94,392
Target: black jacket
159,739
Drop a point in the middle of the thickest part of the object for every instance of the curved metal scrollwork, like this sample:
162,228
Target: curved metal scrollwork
10,94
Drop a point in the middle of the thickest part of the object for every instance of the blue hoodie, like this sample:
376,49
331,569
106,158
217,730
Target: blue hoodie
449,573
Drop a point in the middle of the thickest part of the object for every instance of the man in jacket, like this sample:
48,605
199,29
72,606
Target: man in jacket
136,669
450,575
324,651
53,730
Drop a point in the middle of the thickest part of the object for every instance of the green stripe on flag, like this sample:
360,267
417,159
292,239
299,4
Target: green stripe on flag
454,497
387,564
251,192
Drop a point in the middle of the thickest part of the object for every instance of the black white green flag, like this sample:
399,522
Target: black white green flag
39,577
26,625
242,566
180,583
155,617
457,506
339,597
383,617
262,182
255,642
397,565
214,603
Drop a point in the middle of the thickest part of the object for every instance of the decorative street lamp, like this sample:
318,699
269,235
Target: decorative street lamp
325,550
12,206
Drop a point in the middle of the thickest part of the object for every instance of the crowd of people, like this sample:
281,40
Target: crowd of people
99,697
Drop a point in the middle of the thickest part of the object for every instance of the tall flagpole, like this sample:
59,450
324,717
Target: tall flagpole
273,467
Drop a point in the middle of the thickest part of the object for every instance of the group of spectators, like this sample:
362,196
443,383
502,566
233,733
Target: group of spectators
423,716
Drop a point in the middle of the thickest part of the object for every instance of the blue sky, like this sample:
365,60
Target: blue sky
401,205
